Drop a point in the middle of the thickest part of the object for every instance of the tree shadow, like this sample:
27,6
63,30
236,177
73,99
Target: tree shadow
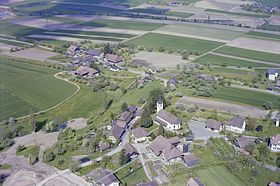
40,125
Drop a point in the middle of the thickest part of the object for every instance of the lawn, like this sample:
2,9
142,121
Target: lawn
153,40
216,60
251,54
262,35
179,14
25,86
271,27
131,25
32,150
254,98
203,30
11,29
12,43
238,14
218,176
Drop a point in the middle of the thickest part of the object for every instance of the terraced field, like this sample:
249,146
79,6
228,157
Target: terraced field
153,40
25,86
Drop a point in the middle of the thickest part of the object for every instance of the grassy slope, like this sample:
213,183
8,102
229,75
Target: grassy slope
268,26
17,30
262,35
202,30
238,14
174,42
132,25
249,97
252,54
219,60
24,86
12,43
218,176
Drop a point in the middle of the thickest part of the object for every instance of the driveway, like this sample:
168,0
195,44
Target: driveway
199,131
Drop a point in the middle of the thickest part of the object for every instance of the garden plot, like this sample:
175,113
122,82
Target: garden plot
256,44
238,109
33,54
41,23
159,60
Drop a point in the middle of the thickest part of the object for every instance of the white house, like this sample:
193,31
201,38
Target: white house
272,74
274,143
213,125
139,135
236,124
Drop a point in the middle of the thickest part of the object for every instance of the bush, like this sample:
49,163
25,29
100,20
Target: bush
48,156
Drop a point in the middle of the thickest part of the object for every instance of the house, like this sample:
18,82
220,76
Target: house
126,117
96,53
121,124
190,160
116,133
278,84
152,183
139,135
272,74
273,184
173,82
103,146
236,124
274,143
113,59
213,125
242,142
86,72
72,49
168,120
130,151
275,117
194,182
109,179
168,153
132,109
174,140
85,161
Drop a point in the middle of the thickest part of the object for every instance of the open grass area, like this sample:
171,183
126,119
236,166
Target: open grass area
131,25
238,14
153,40
216,60
203,30
12,43
25,86
254,98
218,176
271,27
262,35
32,150
251,54
11,29
179,14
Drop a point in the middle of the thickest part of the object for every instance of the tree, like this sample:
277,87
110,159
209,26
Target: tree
262,151
74,167
278,162
124,157
32,120
250,148
48,156
124,107
251,124
107,49
160,130
146,120
268,105
153,98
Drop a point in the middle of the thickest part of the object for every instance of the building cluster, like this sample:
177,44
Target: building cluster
260,7
237,124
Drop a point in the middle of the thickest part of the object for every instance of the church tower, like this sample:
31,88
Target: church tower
159,105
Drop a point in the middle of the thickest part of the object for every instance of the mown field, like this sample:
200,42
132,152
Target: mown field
11,29
254,98
238,14
271,27
131,25
218,176
25,86
12,43
262,35
202,30
213,59
251,54
153,40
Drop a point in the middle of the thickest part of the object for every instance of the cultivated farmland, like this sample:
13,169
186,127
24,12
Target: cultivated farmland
11,29
153,40
25,86
262,35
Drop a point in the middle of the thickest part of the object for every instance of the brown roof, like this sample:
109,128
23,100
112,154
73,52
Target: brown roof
120,123
113,58
170,153
274,184
237,121
130,150
103,146
190,159
126,116
194,182
244,141
152,183
159,144
275,140
213,124
173,141
82,70
168,117
117,131
139,132
107,178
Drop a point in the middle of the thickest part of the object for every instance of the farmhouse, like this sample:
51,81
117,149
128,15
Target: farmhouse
96,53
190,160
242,142
73,49
103,146
116,133
130,151
86,72
168,120
109,179
213,125
173,81
168,153
139,135
274,143
126,117
236,124
194,182
113,59
272,74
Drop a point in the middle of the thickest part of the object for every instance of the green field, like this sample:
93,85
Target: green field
153,40
271,27
12,42
251,54
202,30
216,60
262,35
179,14
238,14
218,176
255,98
25,86
11,29
132,25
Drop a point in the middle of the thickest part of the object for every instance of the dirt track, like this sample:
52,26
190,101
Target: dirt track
233,108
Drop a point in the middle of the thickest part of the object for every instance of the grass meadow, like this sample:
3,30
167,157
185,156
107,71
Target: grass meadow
12,29
153,40
262,35
25,86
